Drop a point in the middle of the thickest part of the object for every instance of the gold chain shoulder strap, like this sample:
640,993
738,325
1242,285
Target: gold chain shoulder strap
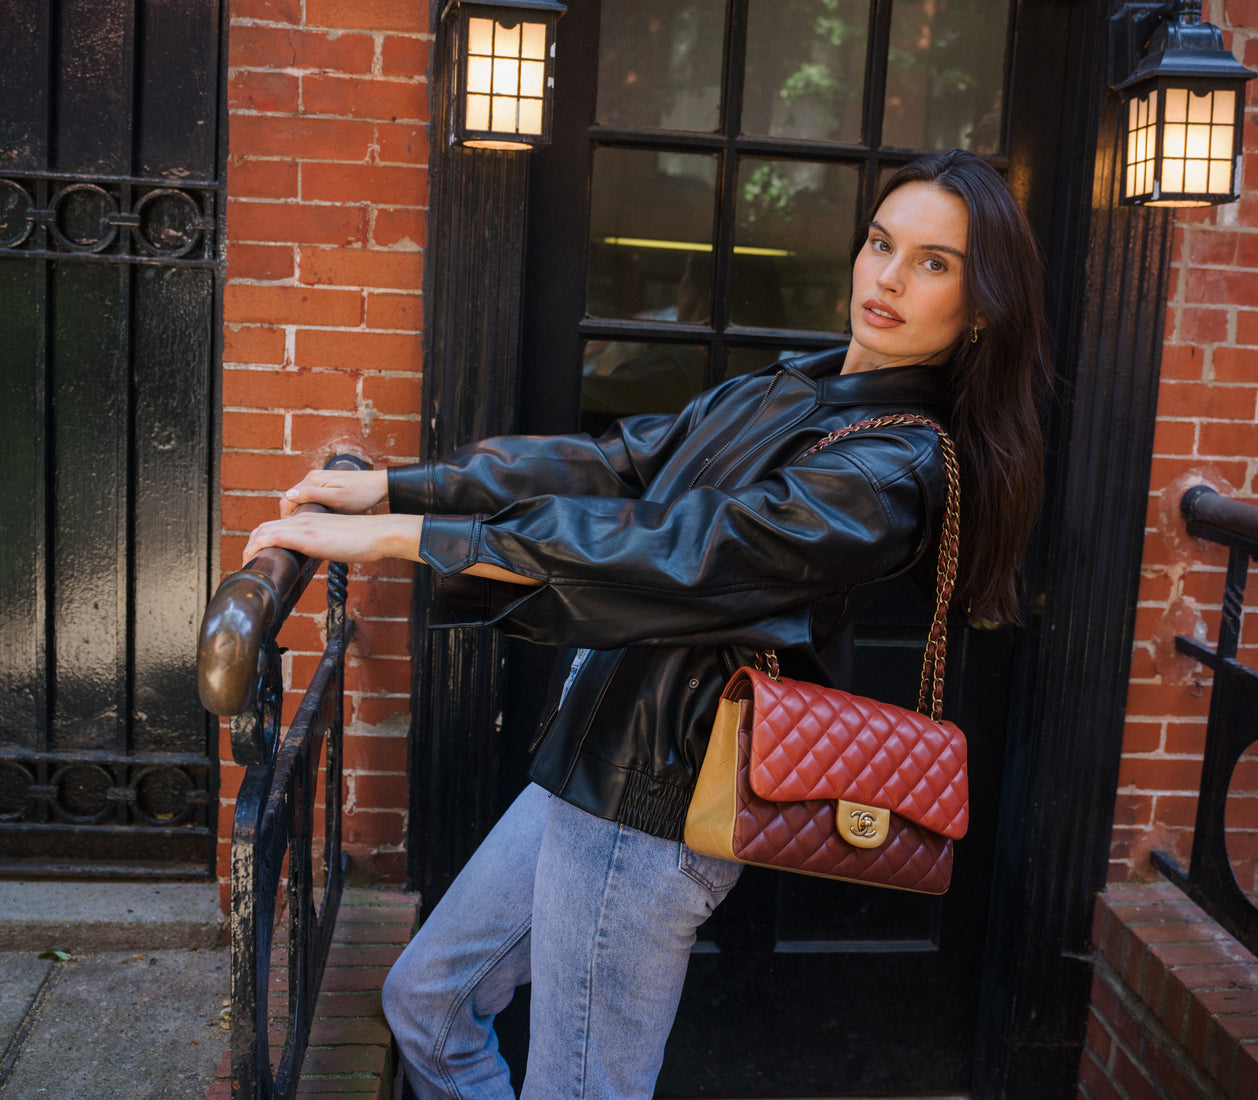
930,695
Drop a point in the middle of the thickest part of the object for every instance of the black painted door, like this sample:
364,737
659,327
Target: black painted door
110,195
691,222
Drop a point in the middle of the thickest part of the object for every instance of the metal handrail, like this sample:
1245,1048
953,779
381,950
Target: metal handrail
238,676
1210,880
1220,519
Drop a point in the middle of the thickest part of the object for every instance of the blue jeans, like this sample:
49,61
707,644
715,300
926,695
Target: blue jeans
600,917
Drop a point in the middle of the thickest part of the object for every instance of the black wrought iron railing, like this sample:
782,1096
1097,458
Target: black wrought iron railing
1230,729
273,847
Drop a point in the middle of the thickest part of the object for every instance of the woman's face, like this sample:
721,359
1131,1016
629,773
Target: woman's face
908,304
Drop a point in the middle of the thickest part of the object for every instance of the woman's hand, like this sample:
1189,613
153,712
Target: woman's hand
335,537
350,492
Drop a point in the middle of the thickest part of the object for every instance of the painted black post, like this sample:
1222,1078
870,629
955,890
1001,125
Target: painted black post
1066,733
473,278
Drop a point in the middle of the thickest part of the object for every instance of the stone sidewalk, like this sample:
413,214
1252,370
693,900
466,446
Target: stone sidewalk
135,1011
130,1008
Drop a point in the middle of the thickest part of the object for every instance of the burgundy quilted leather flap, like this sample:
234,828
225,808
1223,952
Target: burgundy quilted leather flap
811,742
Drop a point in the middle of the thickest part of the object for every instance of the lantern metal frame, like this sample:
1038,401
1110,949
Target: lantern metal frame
464,64
1184,85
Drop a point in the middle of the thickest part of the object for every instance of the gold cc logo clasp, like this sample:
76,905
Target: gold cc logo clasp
863,826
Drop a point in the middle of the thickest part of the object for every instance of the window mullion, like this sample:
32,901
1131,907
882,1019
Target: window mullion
875,93
723,231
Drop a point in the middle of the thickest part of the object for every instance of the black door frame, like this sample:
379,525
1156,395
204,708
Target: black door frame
1108,301
1073,659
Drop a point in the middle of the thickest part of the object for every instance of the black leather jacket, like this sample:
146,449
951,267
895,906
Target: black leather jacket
675,546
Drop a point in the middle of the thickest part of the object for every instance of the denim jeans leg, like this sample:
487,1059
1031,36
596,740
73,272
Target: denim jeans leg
466,961
615,913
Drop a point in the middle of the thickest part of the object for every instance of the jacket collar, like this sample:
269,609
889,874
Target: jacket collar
898,386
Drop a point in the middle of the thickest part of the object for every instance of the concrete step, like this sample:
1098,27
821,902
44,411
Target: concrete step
104,916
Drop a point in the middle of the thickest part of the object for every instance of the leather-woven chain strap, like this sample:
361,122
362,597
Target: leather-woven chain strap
934,662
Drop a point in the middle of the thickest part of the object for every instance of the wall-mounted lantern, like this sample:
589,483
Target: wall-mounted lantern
1182,106
500,68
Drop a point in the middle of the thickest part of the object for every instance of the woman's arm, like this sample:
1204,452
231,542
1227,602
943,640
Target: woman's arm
335,537
619,571
703,566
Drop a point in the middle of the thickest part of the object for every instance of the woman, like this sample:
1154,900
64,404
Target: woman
668,550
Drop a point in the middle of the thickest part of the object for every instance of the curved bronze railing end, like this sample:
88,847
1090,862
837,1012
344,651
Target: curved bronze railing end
234,628
244,612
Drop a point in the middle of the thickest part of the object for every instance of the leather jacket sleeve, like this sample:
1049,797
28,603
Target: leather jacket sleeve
489,475
712,565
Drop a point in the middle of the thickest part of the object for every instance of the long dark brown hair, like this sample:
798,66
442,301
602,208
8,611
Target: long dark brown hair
995,383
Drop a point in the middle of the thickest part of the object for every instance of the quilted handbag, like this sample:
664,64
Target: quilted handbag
812,779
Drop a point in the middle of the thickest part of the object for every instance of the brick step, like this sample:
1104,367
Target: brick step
1174,1002
350,1053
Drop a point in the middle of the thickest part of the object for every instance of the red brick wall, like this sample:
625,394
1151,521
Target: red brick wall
323,314
1207,432
1174,1008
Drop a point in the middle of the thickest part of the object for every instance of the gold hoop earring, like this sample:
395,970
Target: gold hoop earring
974,334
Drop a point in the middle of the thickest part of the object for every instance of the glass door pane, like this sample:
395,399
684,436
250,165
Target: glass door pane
793,221
651,216
659,64
624,377
711,211
946,75
805,74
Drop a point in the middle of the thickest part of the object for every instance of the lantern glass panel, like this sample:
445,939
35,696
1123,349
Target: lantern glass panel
532,78
478,112
480,36
1141,145
1198,146
1174,141
530,118
1221,142
1173,175
533,41
480,75
1197,142
506,77
1222,120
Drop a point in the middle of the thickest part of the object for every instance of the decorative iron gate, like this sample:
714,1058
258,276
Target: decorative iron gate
110,267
